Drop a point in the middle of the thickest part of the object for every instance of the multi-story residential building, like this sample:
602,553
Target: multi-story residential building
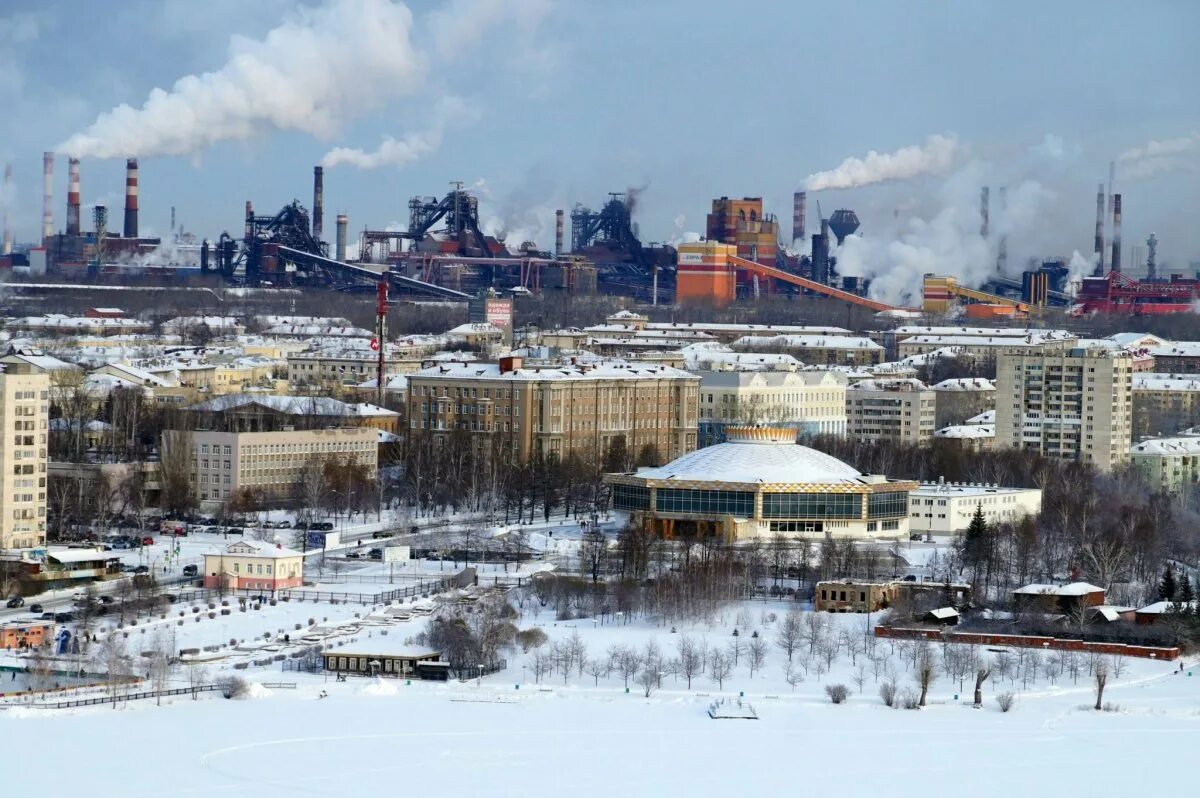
1169,465
340,367
1164,404
968,437
1073,404
1179,357
24,419
981,349
272,463
946,508
812,402
825,350
556,410
961,398
895,410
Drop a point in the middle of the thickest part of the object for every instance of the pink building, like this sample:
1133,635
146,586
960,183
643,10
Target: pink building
254,565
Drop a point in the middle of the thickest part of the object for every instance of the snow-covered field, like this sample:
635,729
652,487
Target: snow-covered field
586,734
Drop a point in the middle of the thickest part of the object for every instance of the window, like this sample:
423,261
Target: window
705,502
812,505
882,504
631,497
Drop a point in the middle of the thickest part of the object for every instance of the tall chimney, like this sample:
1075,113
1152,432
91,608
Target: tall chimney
249,221
799,200
6,243
318,218
131,198
73,197
1112,176
558,233
47,195
1099,270
343,225
1116,241
1002,249
983,212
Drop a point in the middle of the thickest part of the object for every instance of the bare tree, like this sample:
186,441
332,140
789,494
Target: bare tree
197,676
160,662
926,668
114,661
737,647
720,666
627,663
791,675
691,660
860,676
757,650
789,635
1100,674
596,668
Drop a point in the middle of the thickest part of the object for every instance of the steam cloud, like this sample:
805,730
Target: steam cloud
449,112
935,157
1157,157
318,68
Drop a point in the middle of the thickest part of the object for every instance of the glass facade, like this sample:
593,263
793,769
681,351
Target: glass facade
705,502
887,504
813,505
630,497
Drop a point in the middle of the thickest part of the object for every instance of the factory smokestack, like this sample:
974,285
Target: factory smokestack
1099,270
7,242
47,195
799,201
983,212
558,233
1116,241
343,226
1002,250
131,198
318,219
249,221
73,197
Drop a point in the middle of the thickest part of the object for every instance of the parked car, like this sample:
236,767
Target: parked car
212,530
382,533
191,570
234,530
36,608
14,602
47,616
63,617
354,555
375,554
147,541
142,569
283,524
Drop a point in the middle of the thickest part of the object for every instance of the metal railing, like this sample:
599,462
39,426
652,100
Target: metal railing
96,701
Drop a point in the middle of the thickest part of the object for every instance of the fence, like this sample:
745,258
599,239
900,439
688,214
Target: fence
91,702
1166,654
300,594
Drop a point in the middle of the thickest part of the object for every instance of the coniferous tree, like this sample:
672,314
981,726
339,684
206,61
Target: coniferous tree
1167,587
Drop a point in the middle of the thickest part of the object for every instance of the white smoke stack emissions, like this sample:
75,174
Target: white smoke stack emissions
936,156
449,112
318,68
1156,157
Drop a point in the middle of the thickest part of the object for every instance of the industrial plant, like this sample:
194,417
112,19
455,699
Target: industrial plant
444,253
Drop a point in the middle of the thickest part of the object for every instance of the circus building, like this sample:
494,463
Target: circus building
758,484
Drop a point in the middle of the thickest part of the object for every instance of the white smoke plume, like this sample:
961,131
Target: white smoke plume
449,112
1080,267
1158,157
936,156
461,25
321,66
947,242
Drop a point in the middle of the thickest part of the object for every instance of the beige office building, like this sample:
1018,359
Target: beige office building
556,410
812,402
1074,404
271,462
895,410
24,414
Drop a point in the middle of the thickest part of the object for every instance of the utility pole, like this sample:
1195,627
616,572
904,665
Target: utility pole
381,310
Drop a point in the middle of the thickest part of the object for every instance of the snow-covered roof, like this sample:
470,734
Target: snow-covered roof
745,361
258,548
898,385
808,341
943,613
977,341
986,417
951,489
1164,607
1166,447
976,332
291,405
1177,349
966,431
1159,381
39,359
1138,339
965,384
1072,589
753,461
79,555
475,328
603,371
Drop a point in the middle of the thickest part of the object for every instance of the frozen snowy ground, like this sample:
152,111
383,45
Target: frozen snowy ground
598,740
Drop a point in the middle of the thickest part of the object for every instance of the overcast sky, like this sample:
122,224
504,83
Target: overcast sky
543,104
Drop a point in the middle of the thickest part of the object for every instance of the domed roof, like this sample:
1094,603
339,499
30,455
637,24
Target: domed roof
767,460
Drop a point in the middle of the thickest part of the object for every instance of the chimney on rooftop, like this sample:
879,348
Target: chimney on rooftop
131,198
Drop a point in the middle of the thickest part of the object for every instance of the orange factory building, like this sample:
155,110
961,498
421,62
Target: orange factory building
706,273
742,222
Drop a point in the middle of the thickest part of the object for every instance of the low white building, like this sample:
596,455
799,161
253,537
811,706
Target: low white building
946,508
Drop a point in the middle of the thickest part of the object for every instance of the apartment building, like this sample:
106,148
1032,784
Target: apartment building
556,410
895,410
1178,357
961,398
1074,404
979,348
348,366
1169,465
1164,404
812,402
24,417
946,508
224,463
825,350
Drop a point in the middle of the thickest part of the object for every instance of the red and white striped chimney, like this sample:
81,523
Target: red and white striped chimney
73,197
131,198
799,211
47,195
